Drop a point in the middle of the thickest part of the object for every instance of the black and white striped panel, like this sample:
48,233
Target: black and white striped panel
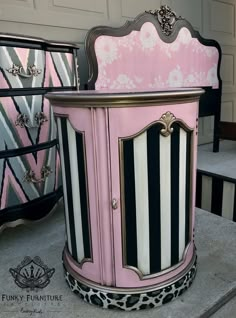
216,194
75,190
156,189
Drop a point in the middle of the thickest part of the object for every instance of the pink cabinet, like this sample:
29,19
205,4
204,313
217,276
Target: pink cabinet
128,169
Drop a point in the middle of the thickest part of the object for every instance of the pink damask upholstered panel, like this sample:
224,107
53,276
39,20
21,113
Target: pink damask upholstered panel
142,60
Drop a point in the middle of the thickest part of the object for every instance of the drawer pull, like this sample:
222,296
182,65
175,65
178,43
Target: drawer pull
18,70
31,178
22,120
40,118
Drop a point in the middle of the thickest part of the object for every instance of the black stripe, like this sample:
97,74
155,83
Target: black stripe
29,149
17,43
28,91
130,205
153,158
210,174
234,216
175,194
40,126
199,190
217,196
188,188
83,194
68,187
2,178
40,206
19,182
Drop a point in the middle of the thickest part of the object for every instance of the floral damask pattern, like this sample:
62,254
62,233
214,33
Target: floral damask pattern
142,60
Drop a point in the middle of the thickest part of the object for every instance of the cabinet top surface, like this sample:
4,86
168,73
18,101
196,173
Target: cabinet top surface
117,98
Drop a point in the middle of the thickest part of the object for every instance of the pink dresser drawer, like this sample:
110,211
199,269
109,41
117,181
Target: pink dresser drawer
25,121
21,68
27,176
60,69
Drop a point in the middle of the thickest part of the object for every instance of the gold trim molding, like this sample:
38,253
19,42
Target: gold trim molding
167,120
112,99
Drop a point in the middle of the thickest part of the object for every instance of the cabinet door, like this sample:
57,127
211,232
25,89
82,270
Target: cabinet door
25,121
80,192
151,165
21,67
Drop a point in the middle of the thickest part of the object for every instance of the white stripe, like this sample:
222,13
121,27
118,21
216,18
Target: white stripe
165,197
47,187
182,190
23,105
206,193
63,68
142,204
64,185
228,200
75,191
5,62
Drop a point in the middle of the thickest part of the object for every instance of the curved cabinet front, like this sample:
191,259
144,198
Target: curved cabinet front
137,159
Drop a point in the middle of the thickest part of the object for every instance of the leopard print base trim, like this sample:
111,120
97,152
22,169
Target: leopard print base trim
134,301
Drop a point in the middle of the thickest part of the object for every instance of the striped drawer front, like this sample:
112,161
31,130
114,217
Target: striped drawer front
21,67
216,194
28,176
156,188
61,70
74,177
25,121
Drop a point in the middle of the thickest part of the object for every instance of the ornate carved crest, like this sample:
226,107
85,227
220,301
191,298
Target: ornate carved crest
167,120
166,17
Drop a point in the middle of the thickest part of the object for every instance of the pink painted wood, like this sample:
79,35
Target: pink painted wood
84,121
102,128
183,63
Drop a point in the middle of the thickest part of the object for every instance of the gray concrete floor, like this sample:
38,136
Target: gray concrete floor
214,285
227,311
212,162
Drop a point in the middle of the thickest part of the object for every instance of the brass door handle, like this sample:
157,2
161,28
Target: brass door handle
17,70
114,204
30,176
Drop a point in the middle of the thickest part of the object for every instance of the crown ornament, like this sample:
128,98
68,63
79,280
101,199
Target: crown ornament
166,17
32,273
